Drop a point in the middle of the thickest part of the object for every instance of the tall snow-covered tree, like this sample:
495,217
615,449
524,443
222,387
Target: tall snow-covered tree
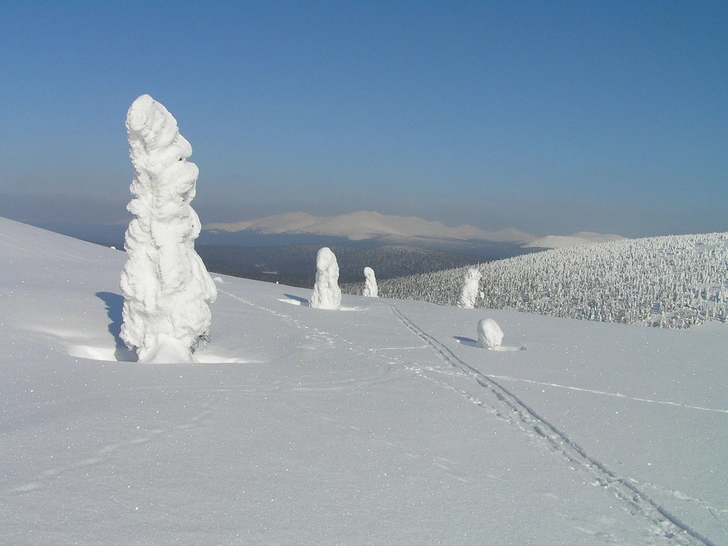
469,289
165,284
370,283
326,292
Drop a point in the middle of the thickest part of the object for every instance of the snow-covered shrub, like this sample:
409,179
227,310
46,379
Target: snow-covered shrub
469,289
490,334
326,293
165,285
370,283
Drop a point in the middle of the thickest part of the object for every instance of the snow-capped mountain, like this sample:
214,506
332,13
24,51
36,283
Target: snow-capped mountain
379,423
577,239
361,225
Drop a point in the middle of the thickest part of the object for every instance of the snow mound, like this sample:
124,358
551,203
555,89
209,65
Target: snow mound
490,334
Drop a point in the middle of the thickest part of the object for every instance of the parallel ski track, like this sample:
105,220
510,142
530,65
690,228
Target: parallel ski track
637,501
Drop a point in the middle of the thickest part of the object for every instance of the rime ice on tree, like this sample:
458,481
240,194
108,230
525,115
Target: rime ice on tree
370,283
326,293
165,285
469,289
490,334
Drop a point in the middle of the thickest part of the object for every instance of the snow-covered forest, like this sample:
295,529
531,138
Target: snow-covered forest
671,282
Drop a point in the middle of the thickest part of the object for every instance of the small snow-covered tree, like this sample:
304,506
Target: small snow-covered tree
326,292
490,334
370,283
469,289
166,286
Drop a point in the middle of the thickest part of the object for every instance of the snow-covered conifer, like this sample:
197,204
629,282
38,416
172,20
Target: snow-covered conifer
490,334
469,289
166,286
370,283
326,292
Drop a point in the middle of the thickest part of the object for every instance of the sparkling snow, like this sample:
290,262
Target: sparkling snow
379,426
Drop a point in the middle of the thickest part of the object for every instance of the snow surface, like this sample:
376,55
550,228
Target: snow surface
383,425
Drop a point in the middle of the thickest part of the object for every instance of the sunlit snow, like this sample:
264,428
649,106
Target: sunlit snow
385,425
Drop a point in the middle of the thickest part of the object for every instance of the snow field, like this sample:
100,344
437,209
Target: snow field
380,425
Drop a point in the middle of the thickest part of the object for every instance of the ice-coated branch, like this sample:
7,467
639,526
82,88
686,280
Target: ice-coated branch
166,286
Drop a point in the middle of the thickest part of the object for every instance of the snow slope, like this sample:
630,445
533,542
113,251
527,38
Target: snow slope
381,423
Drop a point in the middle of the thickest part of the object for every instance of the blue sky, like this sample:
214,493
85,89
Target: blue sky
551,117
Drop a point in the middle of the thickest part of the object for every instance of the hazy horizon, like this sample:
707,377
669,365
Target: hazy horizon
550,119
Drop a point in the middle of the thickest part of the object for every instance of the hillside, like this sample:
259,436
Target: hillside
673,282
381,423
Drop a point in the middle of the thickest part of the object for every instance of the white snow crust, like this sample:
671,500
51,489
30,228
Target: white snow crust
164,282
380,426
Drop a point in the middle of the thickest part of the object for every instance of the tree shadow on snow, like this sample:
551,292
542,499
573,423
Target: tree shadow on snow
466,341
114,304
298,299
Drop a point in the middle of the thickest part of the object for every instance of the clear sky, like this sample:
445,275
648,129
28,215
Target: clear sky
549,116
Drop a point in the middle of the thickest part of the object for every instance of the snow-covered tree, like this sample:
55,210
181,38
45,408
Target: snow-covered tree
326,292
370,283
675,281
469,289
166,286
490,334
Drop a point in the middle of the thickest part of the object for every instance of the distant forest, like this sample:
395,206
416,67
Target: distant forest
295,265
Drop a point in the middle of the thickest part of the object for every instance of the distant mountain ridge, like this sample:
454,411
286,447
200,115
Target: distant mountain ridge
567,241
362,225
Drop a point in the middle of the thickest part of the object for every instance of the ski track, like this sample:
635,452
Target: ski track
505,404
328,338
612,394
